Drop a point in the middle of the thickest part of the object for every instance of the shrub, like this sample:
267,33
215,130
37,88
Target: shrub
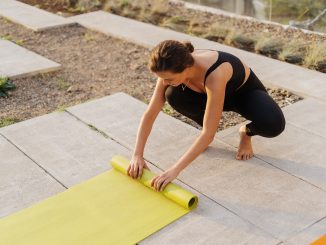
5,85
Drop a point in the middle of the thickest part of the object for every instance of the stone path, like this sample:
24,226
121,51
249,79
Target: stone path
30,17
277,197
17,61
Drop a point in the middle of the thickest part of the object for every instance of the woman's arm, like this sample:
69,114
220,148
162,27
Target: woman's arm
137,162
215,88
213,113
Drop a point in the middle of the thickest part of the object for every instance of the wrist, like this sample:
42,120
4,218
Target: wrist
137,155
176,168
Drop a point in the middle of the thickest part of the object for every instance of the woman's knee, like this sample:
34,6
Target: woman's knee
275,125
186,103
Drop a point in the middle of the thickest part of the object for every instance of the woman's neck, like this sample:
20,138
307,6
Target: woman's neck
197,73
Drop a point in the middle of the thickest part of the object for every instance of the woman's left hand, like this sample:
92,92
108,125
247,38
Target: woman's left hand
160,181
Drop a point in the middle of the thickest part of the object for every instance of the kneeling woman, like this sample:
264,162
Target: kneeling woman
200,84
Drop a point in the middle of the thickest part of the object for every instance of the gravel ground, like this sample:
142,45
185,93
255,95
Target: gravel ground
93,65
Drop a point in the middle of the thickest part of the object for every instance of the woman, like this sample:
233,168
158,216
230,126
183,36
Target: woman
200,84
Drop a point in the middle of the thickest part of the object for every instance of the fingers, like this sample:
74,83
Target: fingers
128,170
140,170
165,182
159,183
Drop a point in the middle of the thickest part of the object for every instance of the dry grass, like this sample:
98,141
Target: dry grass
216,32
178,23
294,52
269,46
316,55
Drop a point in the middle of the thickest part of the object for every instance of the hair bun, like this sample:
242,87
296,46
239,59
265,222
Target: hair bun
188,46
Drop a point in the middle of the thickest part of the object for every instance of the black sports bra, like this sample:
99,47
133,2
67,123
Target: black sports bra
238,74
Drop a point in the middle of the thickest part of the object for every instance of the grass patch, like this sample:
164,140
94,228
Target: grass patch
269,46
316,57
19,42
62,84
7,121
61,108
167,109
294,52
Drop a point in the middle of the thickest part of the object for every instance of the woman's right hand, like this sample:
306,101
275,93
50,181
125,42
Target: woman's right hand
136,166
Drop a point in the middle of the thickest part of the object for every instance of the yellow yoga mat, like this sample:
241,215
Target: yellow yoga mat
111,208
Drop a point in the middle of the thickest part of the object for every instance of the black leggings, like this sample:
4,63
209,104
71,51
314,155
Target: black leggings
251,101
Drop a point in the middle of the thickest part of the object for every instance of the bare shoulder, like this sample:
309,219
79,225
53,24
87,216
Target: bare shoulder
219,78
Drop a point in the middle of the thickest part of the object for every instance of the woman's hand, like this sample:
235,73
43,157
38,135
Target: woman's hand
136,165
160,181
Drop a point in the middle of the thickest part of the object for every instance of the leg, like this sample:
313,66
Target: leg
266,117
187,102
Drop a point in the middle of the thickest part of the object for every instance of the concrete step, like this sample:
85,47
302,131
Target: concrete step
274,73
276,201
17,61
31,17
72,152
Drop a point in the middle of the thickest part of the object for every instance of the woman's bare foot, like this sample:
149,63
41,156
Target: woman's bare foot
245,151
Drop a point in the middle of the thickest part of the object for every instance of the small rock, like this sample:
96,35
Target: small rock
134,67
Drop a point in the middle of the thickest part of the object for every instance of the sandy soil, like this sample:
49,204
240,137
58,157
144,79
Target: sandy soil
93,65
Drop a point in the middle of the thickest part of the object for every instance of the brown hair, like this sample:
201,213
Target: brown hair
171,55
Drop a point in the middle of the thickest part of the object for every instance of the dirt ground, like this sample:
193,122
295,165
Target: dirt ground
93,65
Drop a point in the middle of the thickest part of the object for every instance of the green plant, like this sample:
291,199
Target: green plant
10,38
5,85
7,121
167,109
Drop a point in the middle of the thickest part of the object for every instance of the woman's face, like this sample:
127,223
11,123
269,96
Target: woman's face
173,79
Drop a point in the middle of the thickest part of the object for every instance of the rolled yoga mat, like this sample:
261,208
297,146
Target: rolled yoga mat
111,208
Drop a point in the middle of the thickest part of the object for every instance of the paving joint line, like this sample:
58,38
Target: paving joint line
39,165
307,227
279,168
310,132
127,147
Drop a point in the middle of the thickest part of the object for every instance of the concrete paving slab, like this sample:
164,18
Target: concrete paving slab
64,146
120,119
22,182
31,17
310,234
274,200
210,224
308,114
17,61
73,152
270,198
295,151
273,73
